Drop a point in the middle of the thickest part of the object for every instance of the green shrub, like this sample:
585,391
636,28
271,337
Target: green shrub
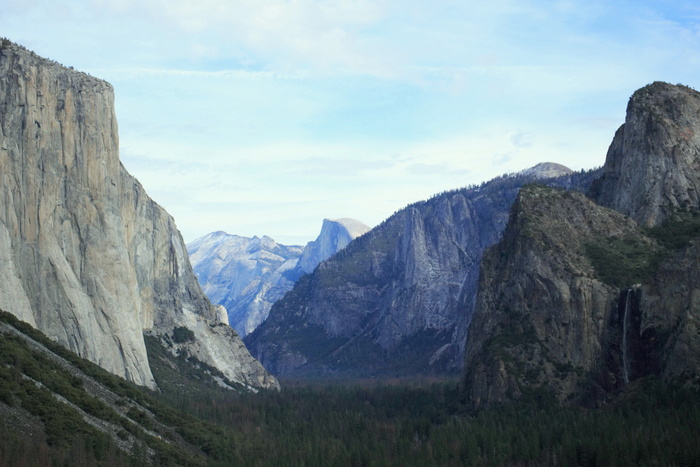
678,231
181,334
623,262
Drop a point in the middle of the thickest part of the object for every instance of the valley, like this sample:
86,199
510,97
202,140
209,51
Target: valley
543,317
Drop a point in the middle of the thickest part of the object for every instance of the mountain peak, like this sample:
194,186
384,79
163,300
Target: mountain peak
335,235
653,164
353,227
247,275
546,170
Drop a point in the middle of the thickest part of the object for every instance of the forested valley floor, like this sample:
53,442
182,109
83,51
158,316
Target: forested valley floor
403,424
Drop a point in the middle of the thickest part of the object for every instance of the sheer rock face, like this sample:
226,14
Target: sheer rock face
542,315
335,235
669,317
386,304
545,320
85,255
653,164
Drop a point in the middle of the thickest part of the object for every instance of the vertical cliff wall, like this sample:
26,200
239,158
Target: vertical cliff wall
544,319
653,165
85,255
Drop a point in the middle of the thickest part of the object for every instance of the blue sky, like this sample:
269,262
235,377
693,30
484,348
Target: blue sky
262,117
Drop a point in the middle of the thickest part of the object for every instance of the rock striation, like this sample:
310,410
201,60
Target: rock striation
247,275
398,300
85,255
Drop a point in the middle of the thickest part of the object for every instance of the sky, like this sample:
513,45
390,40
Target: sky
263,117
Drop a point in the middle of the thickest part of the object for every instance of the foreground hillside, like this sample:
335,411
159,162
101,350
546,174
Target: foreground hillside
59,409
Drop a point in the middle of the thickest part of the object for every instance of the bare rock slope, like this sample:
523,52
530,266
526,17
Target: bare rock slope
85,255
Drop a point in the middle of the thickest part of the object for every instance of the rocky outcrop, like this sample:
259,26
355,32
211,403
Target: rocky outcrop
398,300
85,255
653,164
545,170
579,301
544,318
248,275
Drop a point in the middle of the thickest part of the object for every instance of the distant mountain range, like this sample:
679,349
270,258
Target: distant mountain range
247,275
575,288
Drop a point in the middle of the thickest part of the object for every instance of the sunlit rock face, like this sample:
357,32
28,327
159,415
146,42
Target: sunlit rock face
335,235
85,255
244,275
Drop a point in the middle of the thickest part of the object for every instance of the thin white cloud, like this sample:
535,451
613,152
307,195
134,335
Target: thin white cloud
135,73
325,35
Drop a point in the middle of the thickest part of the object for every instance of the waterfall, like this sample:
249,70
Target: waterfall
625,352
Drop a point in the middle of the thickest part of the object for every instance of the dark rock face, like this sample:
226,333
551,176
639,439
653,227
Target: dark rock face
653,164
398,300
543,318
669,313
579,300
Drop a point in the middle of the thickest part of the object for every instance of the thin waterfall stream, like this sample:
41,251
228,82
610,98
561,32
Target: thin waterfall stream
625,353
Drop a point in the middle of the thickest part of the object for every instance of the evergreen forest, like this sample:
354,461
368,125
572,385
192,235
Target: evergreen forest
353,423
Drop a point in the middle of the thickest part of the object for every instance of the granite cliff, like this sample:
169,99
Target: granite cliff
396,301
651,168
85,255
580,301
